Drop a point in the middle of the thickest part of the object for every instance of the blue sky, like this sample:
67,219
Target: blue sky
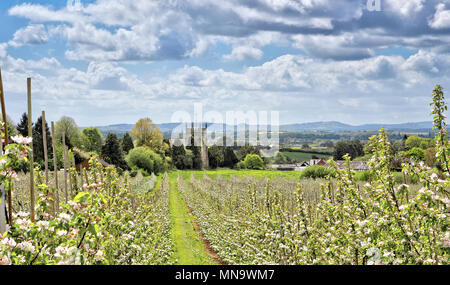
115,61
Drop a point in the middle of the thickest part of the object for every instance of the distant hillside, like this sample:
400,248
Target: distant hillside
121,129
340,127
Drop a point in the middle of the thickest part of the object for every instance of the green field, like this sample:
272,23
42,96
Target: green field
227,173
303,156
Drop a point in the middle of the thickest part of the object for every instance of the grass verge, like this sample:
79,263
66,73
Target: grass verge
189,247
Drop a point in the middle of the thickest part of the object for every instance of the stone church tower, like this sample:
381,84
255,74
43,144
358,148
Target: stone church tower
200,135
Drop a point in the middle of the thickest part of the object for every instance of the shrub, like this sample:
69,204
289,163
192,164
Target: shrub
362,176
417,153
316,171
240,165
146,159
253,161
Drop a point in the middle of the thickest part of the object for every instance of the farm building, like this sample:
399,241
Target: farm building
355,165
85,164
319,161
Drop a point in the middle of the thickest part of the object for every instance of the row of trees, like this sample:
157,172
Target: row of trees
143,149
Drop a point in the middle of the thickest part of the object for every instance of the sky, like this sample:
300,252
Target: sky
107,62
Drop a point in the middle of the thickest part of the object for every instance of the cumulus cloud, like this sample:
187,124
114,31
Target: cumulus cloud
30,35
244,53
141,30
3,52
441,18
405,8
323,53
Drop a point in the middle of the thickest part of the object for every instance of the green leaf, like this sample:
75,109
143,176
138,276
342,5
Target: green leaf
81,197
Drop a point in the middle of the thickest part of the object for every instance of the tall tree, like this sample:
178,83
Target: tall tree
245,150
229,157
112,152
354,148
180,157
38,144
22,127
148,134
127,143
68,126
215,156
92,139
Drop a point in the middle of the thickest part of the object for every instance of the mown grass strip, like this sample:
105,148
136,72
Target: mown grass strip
189,247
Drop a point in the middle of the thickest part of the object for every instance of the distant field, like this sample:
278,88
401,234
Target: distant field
227,173
303,156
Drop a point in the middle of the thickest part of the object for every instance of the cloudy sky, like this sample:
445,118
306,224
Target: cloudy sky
115,61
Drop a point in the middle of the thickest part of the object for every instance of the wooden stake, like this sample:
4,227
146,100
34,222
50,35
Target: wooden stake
70,175
65,165
30,133
86,175
44,140
2,202
76,173
55,167
5,120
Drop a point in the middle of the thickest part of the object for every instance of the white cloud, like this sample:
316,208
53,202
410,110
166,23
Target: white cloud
405,8
30,35
244,53
3,52
441,18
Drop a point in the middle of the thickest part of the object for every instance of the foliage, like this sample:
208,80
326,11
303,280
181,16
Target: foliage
253,161
91,139
416,153
430,156
215,156
112,152
103,224
127,143
316,171
243,151
354,148
423,143
280,158
22,126
181,158
229,157
146,159
38,143
68,126
148,134
381,222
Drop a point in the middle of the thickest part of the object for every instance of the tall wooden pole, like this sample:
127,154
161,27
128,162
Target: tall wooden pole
44,139
76,173
5,120
2,201
30,133
65,165
70,174
55,167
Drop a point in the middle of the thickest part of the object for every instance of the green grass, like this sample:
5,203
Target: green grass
227,173
189,248
302,156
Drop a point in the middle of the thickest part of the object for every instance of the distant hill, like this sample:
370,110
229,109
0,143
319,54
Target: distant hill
121,129
340,127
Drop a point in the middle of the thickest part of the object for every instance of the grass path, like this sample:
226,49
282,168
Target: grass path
189,247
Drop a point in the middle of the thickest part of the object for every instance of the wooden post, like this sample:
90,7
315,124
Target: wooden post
65,165
44,140
2,202
5,120
30,133
76,173
55,167
70,175
86,175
